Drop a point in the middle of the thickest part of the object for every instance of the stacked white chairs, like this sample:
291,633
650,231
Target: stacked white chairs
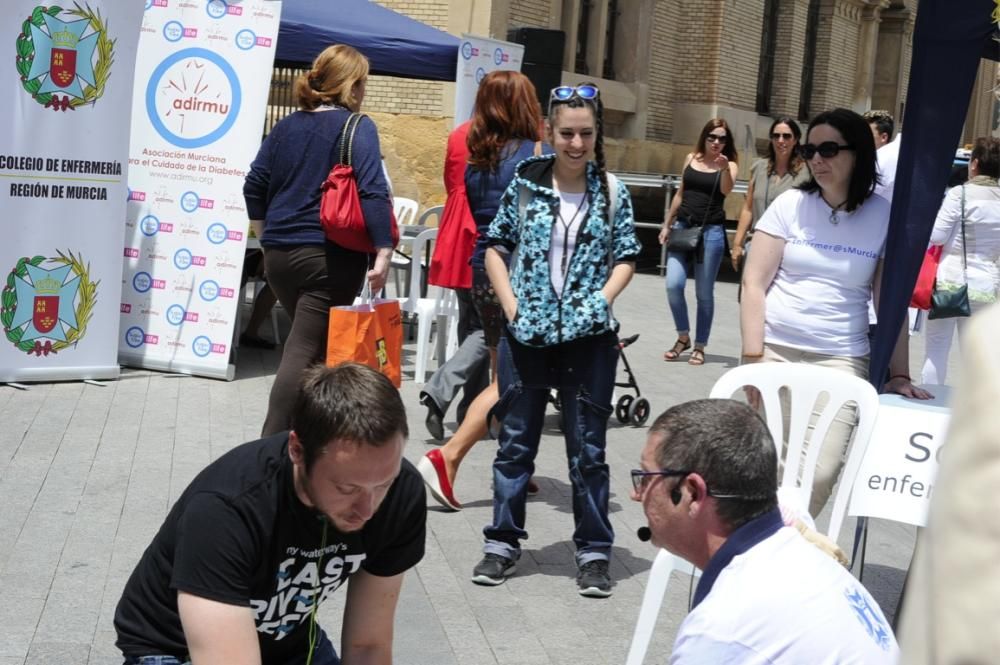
805,385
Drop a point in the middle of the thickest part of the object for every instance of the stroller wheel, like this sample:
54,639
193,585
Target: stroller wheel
622,408
638,412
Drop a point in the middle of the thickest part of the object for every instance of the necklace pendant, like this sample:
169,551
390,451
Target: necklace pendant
834,219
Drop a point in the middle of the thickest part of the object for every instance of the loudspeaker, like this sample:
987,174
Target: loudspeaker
543,56
541,46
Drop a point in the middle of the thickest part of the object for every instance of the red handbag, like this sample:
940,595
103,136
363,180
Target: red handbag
924,287
340,212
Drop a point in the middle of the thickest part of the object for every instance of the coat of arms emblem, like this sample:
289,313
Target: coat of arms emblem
64,64
47,309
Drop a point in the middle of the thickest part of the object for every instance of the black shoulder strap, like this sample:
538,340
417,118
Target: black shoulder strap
347,138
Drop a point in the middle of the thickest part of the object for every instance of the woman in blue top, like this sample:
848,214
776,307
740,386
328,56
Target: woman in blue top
308,273
505,129
574,249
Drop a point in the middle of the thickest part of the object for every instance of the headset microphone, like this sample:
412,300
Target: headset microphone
644,534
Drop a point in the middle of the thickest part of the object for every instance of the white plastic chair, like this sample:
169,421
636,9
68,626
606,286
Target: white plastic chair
664,564
440,306
805,384
405,209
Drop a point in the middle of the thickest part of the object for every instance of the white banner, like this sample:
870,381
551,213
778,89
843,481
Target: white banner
67,87
896,479
202,79
477,57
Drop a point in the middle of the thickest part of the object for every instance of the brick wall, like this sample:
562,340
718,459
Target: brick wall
529,13
836,54
663,67
792,16
740,63
387,94
696,36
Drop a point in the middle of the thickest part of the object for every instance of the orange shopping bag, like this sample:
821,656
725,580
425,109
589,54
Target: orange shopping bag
370,334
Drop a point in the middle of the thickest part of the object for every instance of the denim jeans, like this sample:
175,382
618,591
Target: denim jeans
706,261
325,654
583,371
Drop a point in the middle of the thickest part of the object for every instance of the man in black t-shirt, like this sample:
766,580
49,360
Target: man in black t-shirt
272,528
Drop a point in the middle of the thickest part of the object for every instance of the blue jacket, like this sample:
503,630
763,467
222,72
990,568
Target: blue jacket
543,318
283,185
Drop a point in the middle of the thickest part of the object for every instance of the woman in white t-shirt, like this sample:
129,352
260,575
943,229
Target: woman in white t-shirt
817,260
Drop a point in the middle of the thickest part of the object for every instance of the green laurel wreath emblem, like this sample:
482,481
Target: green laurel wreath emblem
88,298
26,53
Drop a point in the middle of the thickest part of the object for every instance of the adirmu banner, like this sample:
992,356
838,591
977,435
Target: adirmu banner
66,75
201,88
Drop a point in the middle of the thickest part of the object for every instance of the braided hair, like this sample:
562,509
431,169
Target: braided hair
597,108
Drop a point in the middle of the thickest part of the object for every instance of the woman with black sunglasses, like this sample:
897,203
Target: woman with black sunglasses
816,262
769,178
708,177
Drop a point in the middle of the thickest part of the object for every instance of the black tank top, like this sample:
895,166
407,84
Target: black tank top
702,193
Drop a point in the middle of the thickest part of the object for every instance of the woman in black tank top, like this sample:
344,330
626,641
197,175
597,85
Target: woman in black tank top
708,176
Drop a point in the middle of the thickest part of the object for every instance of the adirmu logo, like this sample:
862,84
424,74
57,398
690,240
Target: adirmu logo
68,58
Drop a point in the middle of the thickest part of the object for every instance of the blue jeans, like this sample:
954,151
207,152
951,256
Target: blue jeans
706,268
583,371
325,654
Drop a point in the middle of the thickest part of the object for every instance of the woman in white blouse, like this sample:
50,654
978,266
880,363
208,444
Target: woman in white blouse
981,247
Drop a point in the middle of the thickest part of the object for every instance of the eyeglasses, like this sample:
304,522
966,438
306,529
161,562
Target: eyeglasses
788,136
826,149
639,477
716,138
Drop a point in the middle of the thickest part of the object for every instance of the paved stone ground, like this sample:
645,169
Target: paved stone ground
88,473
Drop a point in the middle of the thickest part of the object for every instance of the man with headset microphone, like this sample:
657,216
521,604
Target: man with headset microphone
708,486
273,527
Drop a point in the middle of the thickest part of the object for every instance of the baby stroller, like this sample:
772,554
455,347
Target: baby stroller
632,409
629,408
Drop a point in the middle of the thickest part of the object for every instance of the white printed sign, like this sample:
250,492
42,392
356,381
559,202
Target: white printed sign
66,78
896,479
477,57
201,88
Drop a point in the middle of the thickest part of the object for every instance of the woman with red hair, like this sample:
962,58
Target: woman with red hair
506,128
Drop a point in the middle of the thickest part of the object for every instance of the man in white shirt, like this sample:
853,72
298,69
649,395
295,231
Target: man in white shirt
708,485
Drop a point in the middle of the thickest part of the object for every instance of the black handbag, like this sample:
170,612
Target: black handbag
953,302
688,240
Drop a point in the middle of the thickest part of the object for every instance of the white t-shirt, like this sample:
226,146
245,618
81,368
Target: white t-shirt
818,301
887,157
572,211
784,602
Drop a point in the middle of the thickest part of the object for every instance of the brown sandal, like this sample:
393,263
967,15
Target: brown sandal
680,346
697,357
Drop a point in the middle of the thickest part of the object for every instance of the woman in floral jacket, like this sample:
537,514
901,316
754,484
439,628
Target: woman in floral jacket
573,243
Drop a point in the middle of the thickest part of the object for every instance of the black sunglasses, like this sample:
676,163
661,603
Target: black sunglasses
716,138
788,136
826,149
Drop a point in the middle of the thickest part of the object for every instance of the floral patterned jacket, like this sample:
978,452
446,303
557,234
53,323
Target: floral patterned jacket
543,318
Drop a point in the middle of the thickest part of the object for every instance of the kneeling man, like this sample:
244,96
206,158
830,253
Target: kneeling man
708,486
272,528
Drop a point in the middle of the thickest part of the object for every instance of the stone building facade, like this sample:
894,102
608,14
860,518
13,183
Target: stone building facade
666,66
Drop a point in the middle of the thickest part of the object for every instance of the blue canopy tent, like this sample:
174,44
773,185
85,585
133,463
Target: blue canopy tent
948,43
395,45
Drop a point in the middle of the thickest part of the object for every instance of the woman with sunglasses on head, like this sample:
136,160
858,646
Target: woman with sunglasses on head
769,178
708,177
816,262
505,129
573,244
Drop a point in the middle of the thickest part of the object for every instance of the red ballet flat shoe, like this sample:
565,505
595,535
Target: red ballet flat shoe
431,467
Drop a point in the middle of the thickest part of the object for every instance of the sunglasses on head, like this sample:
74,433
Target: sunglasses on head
564,93
826,149
788,136
716,138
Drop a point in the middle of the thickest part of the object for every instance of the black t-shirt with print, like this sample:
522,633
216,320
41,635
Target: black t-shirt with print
240,535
